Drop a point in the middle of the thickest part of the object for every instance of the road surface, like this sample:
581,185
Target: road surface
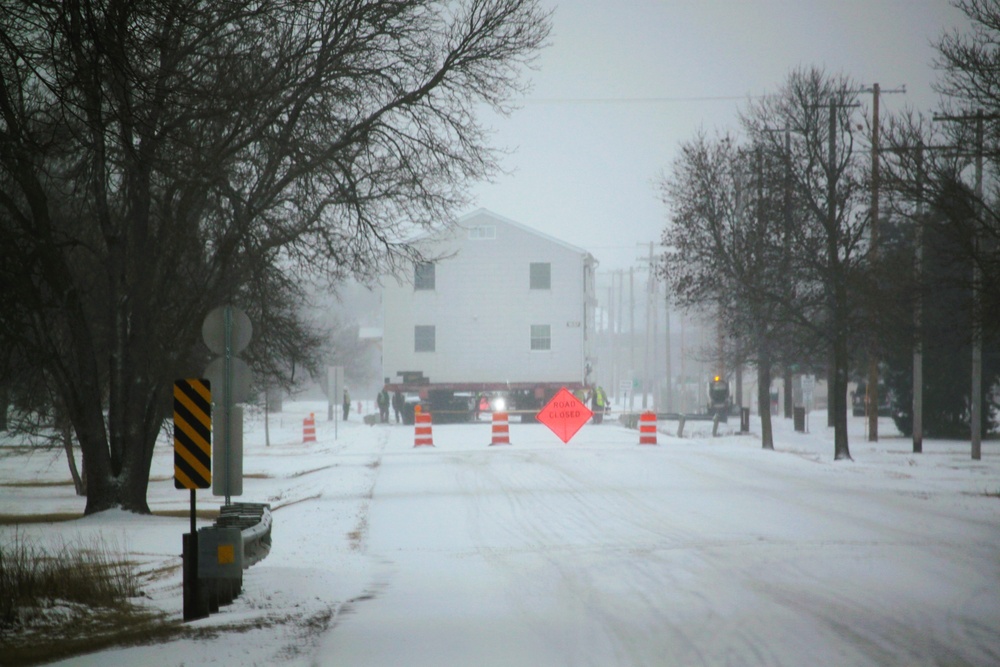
603,552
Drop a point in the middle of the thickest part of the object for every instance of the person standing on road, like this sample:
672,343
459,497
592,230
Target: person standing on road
383,405
397,403
599,402
347,403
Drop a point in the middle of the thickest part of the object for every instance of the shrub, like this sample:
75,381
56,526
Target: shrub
33,580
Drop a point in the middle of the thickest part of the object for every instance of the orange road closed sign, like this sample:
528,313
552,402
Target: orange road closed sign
565,414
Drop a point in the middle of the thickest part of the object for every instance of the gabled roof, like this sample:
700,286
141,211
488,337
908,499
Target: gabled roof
529,230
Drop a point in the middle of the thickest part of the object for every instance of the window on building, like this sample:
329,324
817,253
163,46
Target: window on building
541,337
483,233
423,275
423,338
541,275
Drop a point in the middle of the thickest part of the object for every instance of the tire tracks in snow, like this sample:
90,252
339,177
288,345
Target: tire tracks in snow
599,548
565,522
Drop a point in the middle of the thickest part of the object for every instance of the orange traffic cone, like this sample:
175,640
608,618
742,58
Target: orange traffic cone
501,430
422,431
647,428
309,428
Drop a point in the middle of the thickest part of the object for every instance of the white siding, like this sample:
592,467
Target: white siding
483,309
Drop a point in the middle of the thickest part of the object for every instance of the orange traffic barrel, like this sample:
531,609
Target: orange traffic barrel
647,428
309,428
501,429
422,436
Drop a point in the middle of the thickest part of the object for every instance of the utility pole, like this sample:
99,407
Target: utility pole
669,403
631,337
609,373
918,356
975,409
836,408
786,370
683,377
621,327
653,304
831,198
872,395
918,341
650,382
786,242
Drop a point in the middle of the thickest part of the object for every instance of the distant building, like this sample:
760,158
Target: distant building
505,304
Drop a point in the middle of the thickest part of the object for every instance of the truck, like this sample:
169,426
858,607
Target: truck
499,316
719,399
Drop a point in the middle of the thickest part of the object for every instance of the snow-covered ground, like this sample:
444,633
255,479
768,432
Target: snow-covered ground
697,551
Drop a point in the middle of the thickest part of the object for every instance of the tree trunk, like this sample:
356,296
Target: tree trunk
79,483
839,396
789,405
841,361
764,395
126,490
831,374
4,398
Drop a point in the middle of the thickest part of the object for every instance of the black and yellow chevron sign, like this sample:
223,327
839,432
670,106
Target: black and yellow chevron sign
192,434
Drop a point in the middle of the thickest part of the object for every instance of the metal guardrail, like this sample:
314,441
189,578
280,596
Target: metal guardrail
254,522
631,420
215,557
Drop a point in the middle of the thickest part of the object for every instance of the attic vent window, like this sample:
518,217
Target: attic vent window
483,233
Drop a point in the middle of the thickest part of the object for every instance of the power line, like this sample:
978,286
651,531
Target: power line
641,100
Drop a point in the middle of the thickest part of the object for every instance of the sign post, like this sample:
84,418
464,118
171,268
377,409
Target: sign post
192,470
334,390
565,414
227,331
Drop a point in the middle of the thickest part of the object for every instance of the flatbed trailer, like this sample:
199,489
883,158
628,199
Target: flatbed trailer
455,402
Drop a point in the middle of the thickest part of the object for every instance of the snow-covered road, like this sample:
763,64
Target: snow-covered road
696,551
602,552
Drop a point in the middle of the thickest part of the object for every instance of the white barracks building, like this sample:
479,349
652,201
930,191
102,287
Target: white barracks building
507,310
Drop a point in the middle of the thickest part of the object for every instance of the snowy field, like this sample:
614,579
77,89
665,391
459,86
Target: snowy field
697,551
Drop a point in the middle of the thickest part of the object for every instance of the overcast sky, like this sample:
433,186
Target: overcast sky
624,82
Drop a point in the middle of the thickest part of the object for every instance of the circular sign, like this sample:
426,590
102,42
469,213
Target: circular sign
213,330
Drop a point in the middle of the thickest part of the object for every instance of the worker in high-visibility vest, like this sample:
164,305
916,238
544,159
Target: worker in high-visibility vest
599,403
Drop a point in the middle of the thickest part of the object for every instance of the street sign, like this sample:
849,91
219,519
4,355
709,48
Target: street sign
192,434
239,383
334,392
213,330
565,414
227,331
227,450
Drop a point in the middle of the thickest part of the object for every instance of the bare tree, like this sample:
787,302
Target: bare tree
156,156
725,247
829,238
969,85
946,168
